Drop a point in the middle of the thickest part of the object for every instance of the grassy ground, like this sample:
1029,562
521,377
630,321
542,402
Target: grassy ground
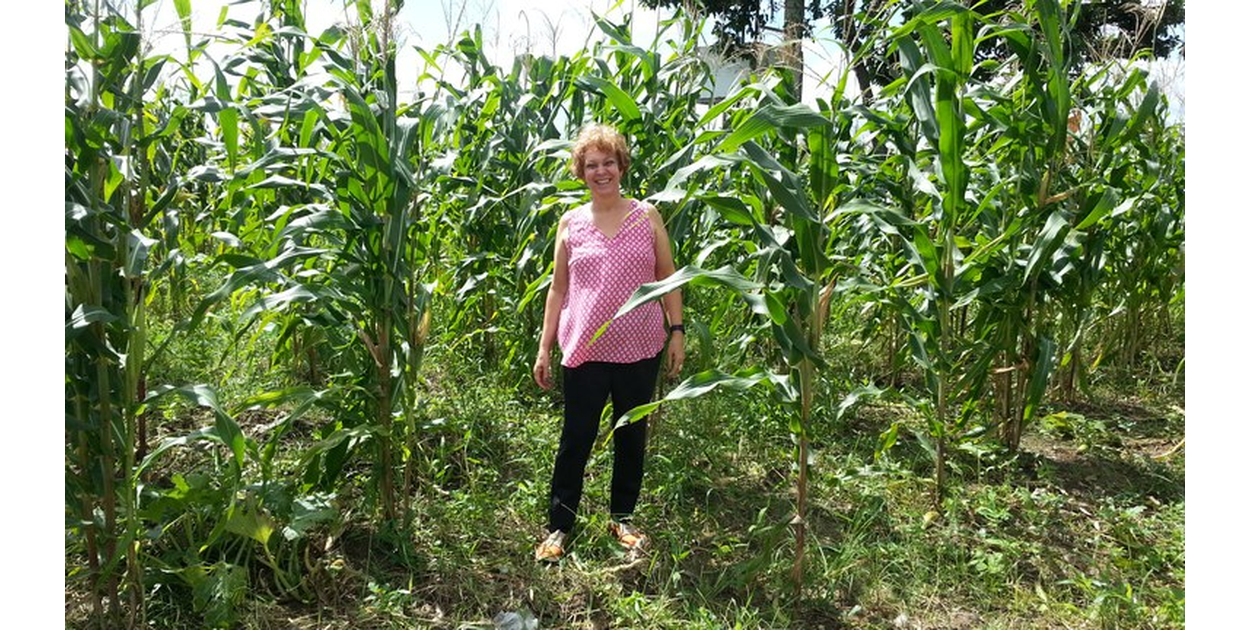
1084,528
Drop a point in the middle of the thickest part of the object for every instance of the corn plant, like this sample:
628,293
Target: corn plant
935,84
373,269
110,214
347,231
1141,217
493,172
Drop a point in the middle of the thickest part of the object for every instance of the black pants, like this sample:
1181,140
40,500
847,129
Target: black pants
586,391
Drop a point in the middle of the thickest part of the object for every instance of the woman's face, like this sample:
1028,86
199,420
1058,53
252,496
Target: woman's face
602,172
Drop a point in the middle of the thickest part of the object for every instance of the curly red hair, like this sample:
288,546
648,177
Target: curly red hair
599,137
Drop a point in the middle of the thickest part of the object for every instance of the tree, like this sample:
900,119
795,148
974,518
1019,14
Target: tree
739,23
1110,29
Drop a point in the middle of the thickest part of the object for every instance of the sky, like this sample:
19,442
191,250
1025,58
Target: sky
510,27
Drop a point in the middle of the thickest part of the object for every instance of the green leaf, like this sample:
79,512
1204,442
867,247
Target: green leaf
205,434
921,180
228,119
301,396
308,513
935,43
219,594
887,219
114,178
920,354
823,169
76,246
721,107
794,342
1051,237
621,100
227,238
83,44
297,294
308,127
183,8
137,246
617,33
251,271
1106,201
926,254
598,333
701,384
704,382
919,96
776,310
1145,111
353,435
782,183
725,276
278,181
758,304
705,163
770,118
925,441
888,439
84,316
962,41
732,209
861,393
1043,366
251,523
225,427
1060,101
206,173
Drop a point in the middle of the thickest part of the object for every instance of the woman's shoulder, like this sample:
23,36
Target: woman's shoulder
645,206
576,212
652,213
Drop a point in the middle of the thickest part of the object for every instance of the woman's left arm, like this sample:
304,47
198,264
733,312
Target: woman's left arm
665,267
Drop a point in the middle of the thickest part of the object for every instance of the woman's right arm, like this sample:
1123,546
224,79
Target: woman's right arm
551,314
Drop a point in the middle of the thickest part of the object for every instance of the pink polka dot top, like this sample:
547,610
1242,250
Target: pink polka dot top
603,273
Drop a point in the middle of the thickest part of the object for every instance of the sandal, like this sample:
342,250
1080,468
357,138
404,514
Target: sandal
551,549
628,535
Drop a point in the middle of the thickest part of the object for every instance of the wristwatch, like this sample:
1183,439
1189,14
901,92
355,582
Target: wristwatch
677,328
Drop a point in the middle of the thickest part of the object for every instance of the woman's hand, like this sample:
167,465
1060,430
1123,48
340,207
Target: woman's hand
676,353
542,370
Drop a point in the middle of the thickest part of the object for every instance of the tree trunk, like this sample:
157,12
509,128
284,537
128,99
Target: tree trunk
850,36
795,29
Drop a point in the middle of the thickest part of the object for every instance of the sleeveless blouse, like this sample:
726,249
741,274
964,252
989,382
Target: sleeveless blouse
603,273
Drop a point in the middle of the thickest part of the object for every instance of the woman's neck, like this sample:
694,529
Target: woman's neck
605,203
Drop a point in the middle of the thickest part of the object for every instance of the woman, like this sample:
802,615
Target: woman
605,250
